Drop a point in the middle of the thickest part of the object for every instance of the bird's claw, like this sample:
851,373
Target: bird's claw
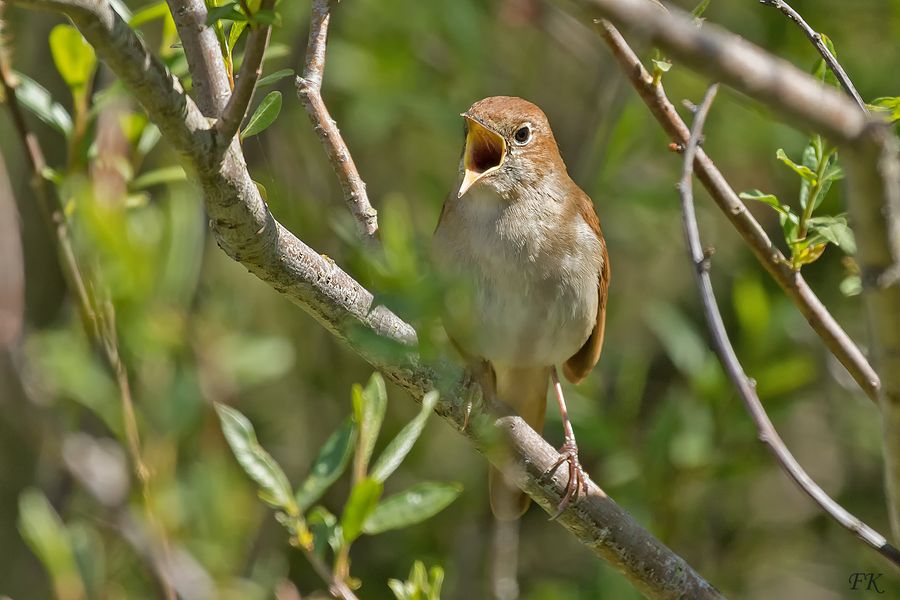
577,483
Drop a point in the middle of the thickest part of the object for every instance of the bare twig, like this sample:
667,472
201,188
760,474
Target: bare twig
309,91
255,51
722,345
336,587
816,39
792,282
98,315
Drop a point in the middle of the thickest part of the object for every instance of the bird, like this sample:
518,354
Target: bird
526,274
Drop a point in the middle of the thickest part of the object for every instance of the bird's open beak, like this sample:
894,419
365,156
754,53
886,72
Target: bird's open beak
485,152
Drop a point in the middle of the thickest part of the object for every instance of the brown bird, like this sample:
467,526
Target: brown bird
521,247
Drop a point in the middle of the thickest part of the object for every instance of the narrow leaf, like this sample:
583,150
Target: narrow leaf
802,170
400,446
256,462
369,406
38,100
234,34
265,115
328,466
274,77
325,531
227,12
759,196
411,506
46,535
159,176
363,500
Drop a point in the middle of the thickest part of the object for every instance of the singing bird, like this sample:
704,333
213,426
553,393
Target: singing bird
520,245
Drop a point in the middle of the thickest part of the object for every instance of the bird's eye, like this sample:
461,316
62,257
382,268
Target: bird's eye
522,135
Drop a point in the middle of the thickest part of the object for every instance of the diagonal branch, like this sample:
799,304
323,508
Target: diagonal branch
791,282
730,362
248,232
309,91
816,39
251,68
873,161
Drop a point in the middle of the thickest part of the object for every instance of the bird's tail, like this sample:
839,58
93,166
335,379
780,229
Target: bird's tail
525,390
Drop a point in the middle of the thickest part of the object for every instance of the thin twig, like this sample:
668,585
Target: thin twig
792,283
722,345
336,587
98,316
254,52
309,91
816,39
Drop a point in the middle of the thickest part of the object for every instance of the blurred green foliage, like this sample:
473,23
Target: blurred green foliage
657,424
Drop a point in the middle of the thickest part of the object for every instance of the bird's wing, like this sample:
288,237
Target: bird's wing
581,363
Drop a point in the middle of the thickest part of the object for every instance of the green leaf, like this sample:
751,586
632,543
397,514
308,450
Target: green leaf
369,406
265,115
273,77
661,65
267,17
810,159
763,197
411,506
234,34
227,12
328,466
38,100
149,13
887,105
700,9
150,136
159,176
851,285
325,530
46,535
834,230
363,500
73,56
400,446
802,170
256,462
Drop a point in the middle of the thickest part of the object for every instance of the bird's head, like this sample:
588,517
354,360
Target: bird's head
509,144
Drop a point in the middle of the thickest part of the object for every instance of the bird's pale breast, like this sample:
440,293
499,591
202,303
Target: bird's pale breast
524,278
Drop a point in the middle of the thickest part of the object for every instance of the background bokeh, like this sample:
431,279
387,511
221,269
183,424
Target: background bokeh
657,423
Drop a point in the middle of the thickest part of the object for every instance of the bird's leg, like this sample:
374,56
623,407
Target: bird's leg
568,454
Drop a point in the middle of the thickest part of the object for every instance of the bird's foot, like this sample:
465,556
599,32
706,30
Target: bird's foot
577,483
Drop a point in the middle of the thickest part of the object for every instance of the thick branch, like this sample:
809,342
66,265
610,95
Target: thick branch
792,282
309,91
251,68
247,231
722,345
816,40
